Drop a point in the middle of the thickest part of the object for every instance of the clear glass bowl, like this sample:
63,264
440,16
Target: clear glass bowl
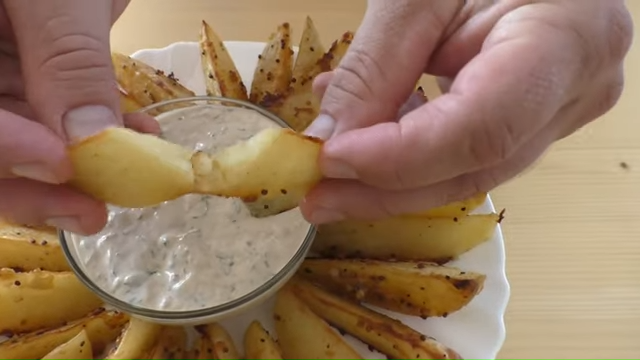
204,315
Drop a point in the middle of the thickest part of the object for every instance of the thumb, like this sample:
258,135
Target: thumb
388,55
65,55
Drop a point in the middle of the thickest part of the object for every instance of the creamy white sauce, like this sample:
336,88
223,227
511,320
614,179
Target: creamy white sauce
196,251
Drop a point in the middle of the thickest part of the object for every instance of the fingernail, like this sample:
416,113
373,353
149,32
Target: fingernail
322,127
338,170
88,120
67,223
35,171
323,216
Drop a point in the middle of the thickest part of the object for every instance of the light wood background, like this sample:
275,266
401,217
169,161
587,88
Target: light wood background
573,226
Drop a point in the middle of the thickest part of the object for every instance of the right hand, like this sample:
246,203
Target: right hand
57,86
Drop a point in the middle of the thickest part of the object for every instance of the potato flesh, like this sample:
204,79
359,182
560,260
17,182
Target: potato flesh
138,338
29,248
77,348
129,169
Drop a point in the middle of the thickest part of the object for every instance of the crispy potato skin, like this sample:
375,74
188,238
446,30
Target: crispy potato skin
412,288
137,339
171,344
219,338
221,75
273,73
22,296
27,248
457,208
258,344
300,106
304,335
406,238
102,328
78,347
387,335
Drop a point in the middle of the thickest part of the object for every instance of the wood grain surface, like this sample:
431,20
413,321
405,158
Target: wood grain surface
572,230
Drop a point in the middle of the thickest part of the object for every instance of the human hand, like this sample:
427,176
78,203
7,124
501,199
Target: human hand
517,75
56,86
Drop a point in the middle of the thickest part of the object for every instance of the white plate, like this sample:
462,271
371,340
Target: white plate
476,332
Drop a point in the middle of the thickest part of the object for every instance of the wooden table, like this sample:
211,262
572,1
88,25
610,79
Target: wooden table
572,232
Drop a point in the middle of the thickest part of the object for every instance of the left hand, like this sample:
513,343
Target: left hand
518,76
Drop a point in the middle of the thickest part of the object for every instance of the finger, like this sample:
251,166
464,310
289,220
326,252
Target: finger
482,121
335,200
118,8
321,82
65,55
36,203
11,83
16,106
383,63
142,123
29,149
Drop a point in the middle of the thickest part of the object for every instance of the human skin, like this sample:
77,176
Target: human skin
56,86
517,76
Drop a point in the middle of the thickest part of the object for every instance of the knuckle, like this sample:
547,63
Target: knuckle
610,94
73,55
356,76
619,30
492,143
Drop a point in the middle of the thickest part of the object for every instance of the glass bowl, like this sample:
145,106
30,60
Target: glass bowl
250,299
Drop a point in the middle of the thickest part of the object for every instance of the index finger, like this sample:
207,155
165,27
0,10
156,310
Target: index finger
496,103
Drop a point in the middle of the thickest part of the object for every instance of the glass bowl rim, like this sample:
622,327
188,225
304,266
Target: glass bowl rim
166,315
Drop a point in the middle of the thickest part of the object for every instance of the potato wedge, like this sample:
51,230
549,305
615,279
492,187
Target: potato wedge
304,335
387,335
201,348
255,171
102,327
310,52
221,75
300,107
146,85
22,296
457,208
273,72
258,344
171,344
223,346
28,248
406,238
129,169
137,339
411,288
128,104
79,347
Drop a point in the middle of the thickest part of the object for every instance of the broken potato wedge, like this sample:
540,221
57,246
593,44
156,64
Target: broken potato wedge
129,169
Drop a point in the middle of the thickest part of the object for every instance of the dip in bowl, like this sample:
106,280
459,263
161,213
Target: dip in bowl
198,258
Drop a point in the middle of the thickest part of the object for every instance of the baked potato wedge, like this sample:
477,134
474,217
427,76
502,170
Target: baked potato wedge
455,209
273,73
387,335
136,340
102,327
79,347
221,75
304,335
300,107
223,346
310,53
406,237
128,103
22,296
258,344
129,169
412,288
27,248
143,85
171,344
